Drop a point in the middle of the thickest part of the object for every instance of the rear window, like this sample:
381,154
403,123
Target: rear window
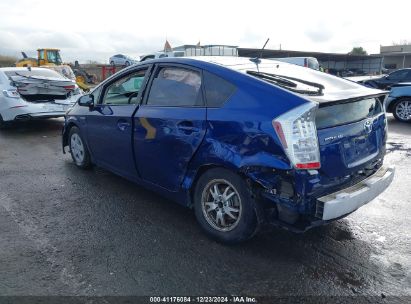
345,113
217,90
313,64
34,73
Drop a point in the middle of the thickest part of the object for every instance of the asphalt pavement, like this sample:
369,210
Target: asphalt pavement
65,231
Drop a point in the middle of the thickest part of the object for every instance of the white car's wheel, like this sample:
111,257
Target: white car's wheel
78,149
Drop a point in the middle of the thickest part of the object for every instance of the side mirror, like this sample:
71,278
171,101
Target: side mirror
86,101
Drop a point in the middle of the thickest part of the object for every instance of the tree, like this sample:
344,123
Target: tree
358,51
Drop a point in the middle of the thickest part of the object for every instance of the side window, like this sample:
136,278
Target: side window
125,90
408,77
217,90
176,87
41,54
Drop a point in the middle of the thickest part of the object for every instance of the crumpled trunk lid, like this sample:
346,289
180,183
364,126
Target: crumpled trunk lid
42,88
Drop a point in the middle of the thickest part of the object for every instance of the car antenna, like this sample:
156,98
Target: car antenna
257,60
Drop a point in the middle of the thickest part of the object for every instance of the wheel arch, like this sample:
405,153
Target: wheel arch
396,100
253,168
66,132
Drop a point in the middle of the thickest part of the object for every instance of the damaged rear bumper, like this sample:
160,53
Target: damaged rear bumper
343,202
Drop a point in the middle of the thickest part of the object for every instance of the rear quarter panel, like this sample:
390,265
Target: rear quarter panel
240,135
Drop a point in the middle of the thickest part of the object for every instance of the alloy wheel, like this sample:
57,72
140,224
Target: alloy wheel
221,205
403,110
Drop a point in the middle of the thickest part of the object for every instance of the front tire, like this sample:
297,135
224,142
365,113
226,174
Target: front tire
3,124
78,150
402,110
224,206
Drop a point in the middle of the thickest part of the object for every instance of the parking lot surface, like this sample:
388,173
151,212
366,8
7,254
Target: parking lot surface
65,231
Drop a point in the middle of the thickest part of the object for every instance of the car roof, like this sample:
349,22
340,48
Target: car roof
231,62
401,70
336,88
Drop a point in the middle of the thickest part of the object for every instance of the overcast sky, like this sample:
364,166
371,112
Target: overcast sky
94,30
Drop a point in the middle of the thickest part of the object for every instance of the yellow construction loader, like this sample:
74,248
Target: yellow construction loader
50,58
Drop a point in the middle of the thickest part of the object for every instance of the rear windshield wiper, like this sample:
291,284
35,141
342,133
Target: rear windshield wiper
289,82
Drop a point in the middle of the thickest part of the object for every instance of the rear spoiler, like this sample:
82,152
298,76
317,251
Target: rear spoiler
381,96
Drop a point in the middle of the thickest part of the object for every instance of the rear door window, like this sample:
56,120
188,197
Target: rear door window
345,113
176,87
217,89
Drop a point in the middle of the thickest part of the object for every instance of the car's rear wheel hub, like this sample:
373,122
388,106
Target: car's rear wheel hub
221,205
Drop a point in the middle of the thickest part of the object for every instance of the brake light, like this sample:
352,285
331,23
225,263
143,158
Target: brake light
69,88
297,132
12,93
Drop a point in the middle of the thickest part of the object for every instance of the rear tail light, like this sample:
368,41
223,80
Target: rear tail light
297,132
12,93
70,87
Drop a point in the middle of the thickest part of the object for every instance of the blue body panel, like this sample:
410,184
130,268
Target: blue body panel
109,131
166,148
165,139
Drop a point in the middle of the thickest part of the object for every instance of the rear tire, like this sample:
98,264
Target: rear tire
78,149
402,110
224,206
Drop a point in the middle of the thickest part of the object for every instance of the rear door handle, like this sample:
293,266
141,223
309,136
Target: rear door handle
122,124
187,127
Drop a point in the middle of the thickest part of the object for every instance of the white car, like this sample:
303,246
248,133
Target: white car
162,55
34,93
120,59
308,62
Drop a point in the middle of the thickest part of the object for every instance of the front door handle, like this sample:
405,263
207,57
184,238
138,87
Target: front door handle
122,124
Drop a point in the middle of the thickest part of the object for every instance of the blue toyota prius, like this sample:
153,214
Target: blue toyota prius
243,141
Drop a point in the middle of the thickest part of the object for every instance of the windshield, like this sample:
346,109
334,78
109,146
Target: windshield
33,73
54,56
